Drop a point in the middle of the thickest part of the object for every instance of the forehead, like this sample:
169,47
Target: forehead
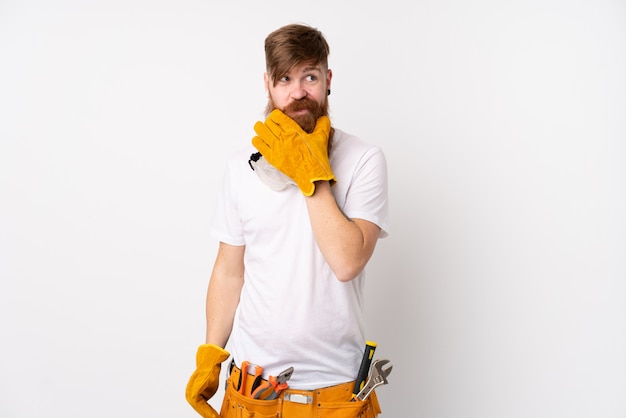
307,67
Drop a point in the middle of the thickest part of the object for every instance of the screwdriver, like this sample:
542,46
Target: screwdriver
364,368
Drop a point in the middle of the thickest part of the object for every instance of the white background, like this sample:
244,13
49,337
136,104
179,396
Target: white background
501,290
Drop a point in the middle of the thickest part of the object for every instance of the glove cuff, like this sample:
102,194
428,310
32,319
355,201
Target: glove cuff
214,347
211,352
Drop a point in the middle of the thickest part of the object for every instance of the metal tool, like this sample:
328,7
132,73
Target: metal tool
364,368
276,384
258,379
243,375
258,376
378,377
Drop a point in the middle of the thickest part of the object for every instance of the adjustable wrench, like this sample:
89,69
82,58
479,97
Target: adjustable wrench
378,377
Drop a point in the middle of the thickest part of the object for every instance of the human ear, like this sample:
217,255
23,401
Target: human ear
266,81
329,76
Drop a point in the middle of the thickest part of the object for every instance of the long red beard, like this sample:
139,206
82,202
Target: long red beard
306,120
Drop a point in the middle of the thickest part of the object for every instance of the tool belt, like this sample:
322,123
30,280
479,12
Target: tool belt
329,402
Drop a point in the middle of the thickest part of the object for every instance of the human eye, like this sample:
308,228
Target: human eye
311,78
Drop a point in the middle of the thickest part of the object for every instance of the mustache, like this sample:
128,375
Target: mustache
304,104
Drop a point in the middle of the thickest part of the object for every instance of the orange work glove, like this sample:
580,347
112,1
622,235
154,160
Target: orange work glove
301,156
205,380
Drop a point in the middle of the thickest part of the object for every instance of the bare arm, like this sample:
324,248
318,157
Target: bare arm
223,293
347,244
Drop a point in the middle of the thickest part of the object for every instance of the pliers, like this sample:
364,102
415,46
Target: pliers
276,383
245,366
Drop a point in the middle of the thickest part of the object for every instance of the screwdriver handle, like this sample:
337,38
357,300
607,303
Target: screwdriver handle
364,369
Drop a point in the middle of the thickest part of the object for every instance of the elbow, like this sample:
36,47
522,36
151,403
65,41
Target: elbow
349,268
348,273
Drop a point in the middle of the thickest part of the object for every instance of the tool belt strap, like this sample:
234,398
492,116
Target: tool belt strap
328,394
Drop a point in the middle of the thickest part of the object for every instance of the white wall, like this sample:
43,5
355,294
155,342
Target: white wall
501,291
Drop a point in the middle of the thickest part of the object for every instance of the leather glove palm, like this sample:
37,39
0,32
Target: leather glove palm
205,379
301,156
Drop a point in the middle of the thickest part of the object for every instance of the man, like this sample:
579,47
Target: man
297,219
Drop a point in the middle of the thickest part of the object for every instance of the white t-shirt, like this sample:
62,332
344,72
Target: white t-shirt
293,311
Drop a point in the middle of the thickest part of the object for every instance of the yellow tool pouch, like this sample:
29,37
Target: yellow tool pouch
331,402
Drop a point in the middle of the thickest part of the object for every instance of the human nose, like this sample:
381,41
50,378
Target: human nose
298,91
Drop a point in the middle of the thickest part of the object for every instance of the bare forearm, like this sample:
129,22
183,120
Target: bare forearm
346,244
223,295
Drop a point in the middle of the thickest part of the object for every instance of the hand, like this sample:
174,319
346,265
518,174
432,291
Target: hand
205,380
301,156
